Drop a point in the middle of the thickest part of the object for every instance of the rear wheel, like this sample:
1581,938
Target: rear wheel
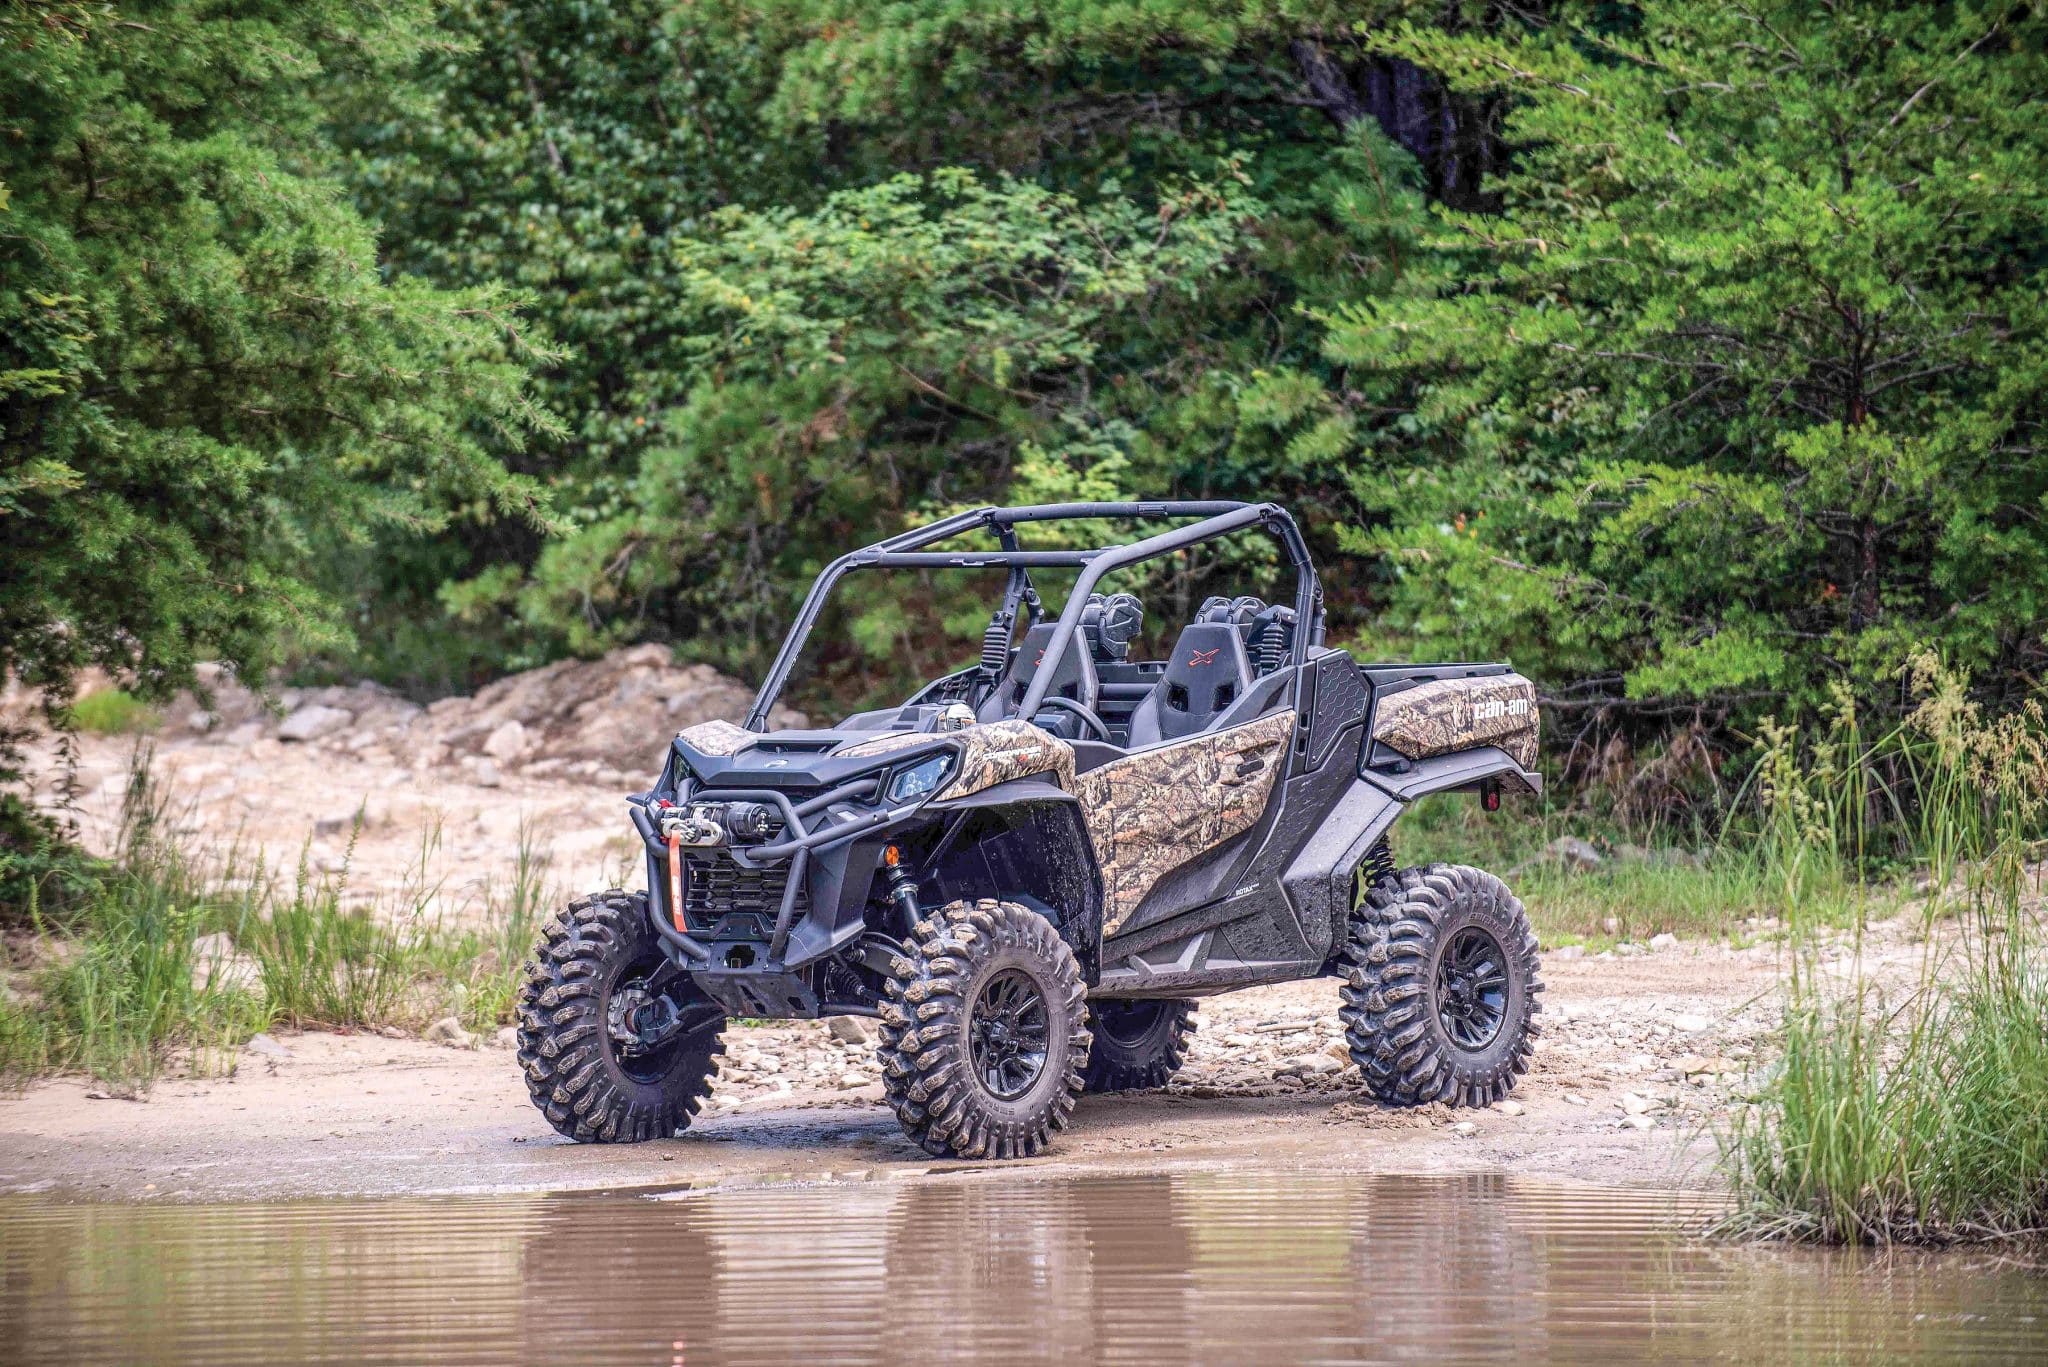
617,1046
1440,988
984,1032
1138,1044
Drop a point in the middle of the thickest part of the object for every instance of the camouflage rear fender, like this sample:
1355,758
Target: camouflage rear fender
1448,715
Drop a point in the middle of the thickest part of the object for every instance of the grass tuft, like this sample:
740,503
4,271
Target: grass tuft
122,985
111,712
1924,1120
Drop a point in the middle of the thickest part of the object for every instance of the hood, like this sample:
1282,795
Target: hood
722,755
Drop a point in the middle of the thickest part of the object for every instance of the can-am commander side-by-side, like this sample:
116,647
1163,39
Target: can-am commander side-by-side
1030,868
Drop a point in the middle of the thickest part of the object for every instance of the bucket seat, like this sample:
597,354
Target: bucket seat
1207,672
1074,679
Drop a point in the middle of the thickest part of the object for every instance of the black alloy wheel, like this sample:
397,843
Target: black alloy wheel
1007,1034
1472,988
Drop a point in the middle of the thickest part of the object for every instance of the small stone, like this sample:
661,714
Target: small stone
850,1029
1636,1105
486,775
1575,853
313,722
1664,941
1464,1129
849,1081
1691,1025
263,1044
1573,1098
508,1037
449,1031
1508,1107
508,741
1640,1122
1239,1041
1338,1050
1566,953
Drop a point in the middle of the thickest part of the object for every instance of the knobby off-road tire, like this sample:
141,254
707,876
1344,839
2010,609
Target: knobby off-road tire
1138,1044
590,1085
1440,987
984,987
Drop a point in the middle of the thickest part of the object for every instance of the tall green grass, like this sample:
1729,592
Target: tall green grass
1695,883
1924,1118
121,988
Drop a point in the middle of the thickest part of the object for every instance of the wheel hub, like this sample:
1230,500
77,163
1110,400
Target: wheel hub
1472,988
1008,1033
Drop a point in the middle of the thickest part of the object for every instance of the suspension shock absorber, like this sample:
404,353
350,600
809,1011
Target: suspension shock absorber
902,887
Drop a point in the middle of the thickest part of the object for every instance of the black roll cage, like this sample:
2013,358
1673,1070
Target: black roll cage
906,550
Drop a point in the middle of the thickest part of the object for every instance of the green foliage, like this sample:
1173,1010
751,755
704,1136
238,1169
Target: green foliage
202,372
1924,1119
122,982
564,151
615,160
848,358
113,712
1742,392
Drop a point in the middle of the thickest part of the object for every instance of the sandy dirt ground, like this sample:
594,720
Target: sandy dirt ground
1636,1056
1639,1050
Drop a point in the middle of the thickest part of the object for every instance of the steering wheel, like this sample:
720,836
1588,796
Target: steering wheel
1085,713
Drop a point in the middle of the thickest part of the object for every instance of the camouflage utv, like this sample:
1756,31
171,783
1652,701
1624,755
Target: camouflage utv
1029,870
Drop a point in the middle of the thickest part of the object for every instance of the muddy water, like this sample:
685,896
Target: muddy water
1198,1268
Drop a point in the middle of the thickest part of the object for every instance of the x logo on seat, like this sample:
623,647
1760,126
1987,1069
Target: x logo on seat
1198,658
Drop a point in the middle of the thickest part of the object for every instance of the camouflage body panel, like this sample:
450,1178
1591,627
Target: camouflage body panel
1461,714
999,751
1154,811
886,744
716,738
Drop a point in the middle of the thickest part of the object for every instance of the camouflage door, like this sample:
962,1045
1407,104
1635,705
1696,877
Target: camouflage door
1151,812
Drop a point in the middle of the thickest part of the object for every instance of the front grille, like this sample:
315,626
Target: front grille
715,886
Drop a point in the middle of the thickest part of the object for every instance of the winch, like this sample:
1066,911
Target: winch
720,823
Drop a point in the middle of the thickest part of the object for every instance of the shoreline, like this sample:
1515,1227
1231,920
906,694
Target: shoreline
365,1115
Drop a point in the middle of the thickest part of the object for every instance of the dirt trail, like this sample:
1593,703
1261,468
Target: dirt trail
1636,1051
1636,1054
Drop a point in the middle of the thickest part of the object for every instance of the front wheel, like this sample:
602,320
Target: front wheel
984,1032
617,1046
1440,988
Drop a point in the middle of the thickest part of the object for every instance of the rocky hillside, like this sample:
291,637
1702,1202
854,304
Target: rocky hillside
410,804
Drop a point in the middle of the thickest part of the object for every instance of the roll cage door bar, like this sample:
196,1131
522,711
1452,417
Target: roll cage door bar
906,550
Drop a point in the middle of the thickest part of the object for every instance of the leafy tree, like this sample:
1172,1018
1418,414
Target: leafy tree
1742,393
585,150
201,369
918,343
563,150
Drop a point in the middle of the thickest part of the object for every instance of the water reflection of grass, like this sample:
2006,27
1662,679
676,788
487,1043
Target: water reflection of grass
172,950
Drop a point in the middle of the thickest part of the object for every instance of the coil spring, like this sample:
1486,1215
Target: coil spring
995,644
1377,867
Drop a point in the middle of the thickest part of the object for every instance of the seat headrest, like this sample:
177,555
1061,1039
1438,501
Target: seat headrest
1074,678
1209,670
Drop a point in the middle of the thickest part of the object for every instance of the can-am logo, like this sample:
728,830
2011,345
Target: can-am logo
1500,707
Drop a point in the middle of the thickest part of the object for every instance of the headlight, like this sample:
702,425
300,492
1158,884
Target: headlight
921,779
